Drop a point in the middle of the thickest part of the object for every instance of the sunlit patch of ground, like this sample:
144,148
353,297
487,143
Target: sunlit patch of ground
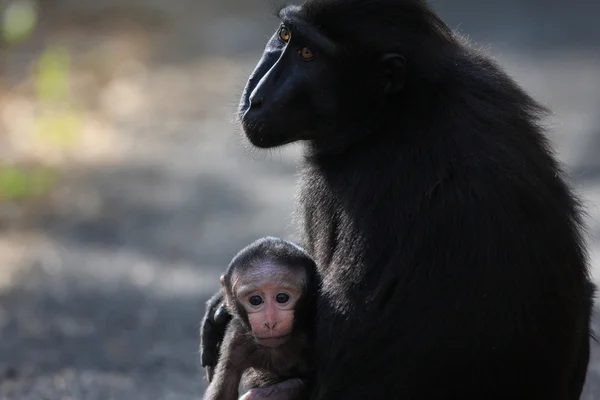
13,256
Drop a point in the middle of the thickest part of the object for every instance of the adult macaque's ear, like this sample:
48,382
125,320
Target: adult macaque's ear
222,280
393,67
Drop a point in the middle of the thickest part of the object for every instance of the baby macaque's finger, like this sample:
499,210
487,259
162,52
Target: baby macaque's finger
292,389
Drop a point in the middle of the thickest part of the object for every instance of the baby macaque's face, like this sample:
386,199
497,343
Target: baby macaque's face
269,294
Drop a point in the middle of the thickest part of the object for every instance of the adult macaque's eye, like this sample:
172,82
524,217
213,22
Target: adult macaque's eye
255,300
284,34
282,298
306,53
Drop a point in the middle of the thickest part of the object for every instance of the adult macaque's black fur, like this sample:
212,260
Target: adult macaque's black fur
449,245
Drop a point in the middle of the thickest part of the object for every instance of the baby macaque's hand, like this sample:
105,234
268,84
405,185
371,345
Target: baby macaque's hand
292,389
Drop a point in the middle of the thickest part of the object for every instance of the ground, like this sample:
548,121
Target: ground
103,281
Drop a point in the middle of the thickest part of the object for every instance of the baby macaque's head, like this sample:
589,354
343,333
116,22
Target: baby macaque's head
267,285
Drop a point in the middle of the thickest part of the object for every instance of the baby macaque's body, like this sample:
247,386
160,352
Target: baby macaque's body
269,289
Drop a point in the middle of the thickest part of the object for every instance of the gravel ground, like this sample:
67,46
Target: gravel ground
102,285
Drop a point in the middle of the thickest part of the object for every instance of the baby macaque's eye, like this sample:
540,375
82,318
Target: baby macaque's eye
282,298
255,300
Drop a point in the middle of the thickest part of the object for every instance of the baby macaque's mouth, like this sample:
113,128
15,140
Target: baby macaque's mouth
273,341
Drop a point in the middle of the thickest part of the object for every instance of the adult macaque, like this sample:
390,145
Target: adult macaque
269,292
450,247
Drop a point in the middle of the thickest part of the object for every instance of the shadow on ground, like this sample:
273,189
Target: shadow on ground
95,341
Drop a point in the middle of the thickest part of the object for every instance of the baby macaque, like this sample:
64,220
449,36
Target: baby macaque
269,290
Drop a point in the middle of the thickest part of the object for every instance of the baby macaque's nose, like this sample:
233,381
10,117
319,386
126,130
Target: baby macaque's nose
270,324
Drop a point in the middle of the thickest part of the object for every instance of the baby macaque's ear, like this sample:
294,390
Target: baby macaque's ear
224,289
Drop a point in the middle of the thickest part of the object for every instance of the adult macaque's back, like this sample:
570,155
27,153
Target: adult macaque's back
449,245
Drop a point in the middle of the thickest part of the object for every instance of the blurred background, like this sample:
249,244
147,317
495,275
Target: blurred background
126,188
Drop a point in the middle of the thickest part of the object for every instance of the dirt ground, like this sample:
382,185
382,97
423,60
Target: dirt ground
103,281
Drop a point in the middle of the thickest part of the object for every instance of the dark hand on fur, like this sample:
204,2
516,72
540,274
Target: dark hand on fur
213,328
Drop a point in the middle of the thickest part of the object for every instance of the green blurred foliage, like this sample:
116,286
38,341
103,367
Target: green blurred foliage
58,128
52,81
18,21
57,123
18,182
